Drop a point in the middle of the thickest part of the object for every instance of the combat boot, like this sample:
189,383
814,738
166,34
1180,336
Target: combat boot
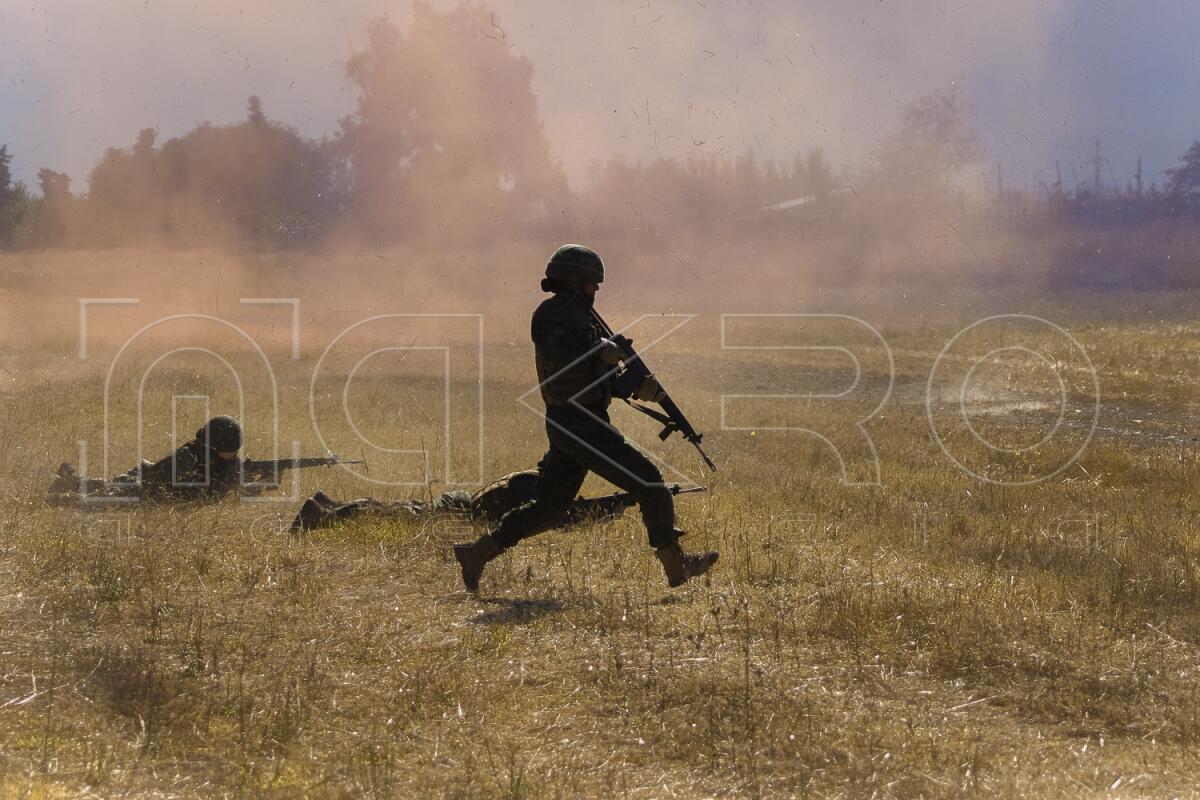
474,557
312,515
67,480
680,566
325,500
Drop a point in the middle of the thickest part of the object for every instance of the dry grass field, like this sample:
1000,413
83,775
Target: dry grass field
935,635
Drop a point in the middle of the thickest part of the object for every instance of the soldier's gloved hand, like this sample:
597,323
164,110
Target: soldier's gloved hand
610,353
650,391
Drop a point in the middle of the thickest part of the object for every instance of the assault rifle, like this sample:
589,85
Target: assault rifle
635,373
611,504
271,467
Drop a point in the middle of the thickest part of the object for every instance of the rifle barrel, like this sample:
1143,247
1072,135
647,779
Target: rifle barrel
296,463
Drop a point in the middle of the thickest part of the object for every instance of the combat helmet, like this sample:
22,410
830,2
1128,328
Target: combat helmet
222,434
575,262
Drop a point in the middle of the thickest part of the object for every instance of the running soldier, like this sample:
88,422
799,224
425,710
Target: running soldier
575,368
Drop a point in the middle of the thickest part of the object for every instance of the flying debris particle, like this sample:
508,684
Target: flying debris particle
503,35
685,266
961,238
849,185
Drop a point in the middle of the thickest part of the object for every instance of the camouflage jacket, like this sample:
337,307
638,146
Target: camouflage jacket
193,472
565,341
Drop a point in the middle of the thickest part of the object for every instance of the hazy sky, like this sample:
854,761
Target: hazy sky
639,78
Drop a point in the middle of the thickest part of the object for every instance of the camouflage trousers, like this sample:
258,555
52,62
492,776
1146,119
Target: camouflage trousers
582,442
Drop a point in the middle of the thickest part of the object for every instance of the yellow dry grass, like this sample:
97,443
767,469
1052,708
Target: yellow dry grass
933,636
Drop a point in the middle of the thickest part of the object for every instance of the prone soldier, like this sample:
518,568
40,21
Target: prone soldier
205,469
488,504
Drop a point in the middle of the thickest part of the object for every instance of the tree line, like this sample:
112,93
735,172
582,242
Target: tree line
444,144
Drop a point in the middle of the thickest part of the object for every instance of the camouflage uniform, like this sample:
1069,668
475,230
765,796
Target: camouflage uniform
488,504
194,472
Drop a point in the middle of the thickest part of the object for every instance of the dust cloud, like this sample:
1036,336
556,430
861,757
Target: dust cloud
370,156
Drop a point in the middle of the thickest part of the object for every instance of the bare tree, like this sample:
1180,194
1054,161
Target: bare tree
1183,182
